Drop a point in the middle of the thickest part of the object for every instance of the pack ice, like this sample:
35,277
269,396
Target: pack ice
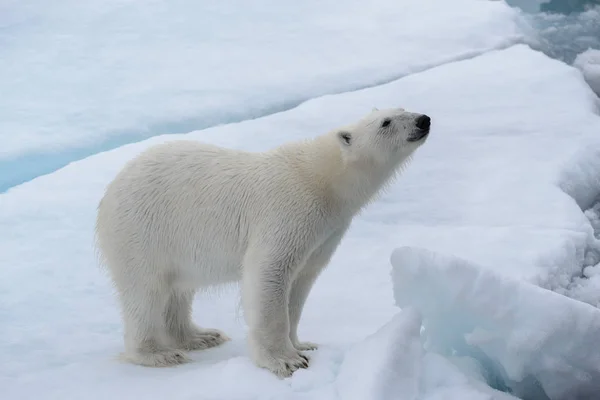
493,257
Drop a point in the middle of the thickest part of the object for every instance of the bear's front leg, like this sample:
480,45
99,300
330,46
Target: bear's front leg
298,294
304,281
265,295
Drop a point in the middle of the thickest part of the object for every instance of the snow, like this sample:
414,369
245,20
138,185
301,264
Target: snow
83,77
461,195
589,64
534,341
496,195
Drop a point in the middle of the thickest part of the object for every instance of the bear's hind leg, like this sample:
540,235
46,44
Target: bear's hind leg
143,307
183,333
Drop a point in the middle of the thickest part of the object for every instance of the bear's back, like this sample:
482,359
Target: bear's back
198,202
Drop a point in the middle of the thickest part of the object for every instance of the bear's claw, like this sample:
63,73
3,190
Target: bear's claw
282,363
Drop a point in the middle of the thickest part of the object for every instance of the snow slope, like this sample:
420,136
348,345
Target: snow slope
505,121
81,77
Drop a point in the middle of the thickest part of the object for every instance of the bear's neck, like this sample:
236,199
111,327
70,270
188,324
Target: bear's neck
351,186
358,185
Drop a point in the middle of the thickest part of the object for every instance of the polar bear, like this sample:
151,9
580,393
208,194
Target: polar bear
184,215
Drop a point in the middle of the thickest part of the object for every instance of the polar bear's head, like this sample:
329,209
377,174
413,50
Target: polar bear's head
384,138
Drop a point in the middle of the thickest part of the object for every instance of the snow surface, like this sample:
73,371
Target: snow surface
506,126
82,77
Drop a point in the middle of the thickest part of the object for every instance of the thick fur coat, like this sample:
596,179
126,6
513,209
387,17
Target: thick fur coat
185,215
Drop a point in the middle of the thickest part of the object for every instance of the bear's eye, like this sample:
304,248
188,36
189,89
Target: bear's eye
386,122
346,138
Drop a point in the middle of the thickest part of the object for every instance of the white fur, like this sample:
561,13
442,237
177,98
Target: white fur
186,215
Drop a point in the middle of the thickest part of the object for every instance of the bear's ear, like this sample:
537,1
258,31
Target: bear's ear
345,138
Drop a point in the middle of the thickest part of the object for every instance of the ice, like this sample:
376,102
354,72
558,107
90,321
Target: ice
391,364
82,77
446,378
589,64
586,286
564,36
581,181
386,363
480,277
539,344
485,187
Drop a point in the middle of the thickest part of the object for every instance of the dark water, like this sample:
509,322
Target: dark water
566,6
554,6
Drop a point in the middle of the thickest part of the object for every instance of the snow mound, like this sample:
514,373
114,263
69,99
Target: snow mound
589,64
536,343
83,77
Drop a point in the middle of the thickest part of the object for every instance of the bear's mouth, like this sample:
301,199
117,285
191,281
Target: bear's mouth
418,135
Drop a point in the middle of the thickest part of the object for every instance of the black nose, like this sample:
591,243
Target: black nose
423,122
